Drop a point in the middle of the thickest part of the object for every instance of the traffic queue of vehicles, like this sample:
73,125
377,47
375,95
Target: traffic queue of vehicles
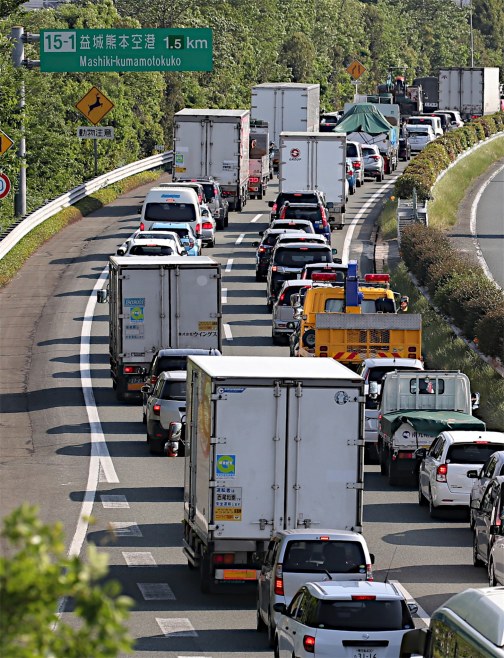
306,553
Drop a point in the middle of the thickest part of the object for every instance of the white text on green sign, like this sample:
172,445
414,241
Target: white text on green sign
155,49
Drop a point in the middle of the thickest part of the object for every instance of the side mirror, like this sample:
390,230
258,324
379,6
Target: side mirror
271,204
412,607
334,252
414,642
102,296
374,389
472,474
146,389
420,453
475,400
295,300
175,431
120,252
139,210
280,607
372,557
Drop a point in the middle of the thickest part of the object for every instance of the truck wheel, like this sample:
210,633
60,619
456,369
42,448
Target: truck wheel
121,387
204,569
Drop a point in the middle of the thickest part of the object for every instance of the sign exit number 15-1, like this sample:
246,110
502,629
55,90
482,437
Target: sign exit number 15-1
60,42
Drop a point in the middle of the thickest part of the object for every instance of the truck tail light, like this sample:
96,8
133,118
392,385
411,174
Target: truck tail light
309,643
441,473
223,558
412,351
132,370
156,409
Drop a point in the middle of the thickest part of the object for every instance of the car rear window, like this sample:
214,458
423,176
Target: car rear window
170,212
170,363
306,212
295,226
366,152
471,453
351,151
296,197
419,133
285,297
150,250
316,555
299,257
377,374
372,615
174,390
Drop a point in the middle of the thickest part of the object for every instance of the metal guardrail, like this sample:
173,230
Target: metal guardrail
34,219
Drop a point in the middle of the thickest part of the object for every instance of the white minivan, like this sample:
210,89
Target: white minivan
171,204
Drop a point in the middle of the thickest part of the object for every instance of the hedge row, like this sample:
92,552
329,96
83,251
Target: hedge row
425,168
457,285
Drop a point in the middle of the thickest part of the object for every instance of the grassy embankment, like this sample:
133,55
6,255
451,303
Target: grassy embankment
13,261
441,347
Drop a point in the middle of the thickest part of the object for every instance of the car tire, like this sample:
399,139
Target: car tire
433,511
271,632
358,182
477,561
422,501
258,277
260,625
276,649
492,580
212,243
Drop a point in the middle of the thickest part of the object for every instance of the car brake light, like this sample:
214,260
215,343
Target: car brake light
156,408
274,268
253,179
309,643
129,370
481,442
274,207
375,157
207,225
363,597
261,250
382,278
324,538
142,226
281,298
356,165
198,228
441,473
326,276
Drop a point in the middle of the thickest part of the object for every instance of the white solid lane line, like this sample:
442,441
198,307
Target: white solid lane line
421,614
359,215
256,218
227,331
229,265
240,238
100,456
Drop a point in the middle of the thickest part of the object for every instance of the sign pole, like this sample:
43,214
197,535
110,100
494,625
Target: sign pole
16,35
95,157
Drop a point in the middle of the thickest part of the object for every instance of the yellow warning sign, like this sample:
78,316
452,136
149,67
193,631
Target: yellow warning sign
356,69
5,142
94,105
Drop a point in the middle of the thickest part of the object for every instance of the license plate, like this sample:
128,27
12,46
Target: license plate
253,189
364,653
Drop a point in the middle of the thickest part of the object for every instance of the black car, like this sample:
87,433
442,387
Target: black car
304,196
287,262
404,149
265,248
488,517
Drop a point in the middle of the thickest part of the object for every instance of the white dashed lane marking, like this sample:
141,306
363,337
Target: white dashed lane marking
126,529
156,591
240,238
257,217
227,332
229,265
177,627
111,502
139,559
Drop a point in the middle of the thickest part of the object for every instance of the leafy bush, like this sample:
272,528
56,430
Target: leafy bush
489,331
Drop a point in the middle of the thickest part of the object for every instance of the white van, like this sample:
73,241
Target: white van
420,136
433,122
470,624
171,204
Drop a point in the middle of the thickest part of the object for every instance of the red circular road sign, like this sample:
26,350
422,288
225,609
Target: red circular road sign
5,185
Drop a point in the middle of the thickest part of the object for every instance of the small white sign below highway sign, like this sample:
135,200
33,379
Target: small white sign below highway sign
89,132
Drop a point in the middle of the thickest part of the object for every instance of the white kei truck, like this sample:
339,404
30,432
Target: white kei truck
214,143
415,407
286,106
158,302
315,161
272,443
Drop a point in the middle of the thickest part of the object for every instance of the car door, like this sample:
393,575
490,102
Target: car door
430,464
483,520
289,627
266,580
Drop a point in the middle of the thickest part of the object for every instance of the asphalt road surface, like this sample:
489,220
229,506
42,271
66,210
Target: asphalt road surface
58,408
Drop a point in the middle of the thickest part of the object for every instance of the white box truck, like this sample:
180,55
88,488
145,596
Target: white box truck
471,91
315,161
273,443
158,302
286,106
214,143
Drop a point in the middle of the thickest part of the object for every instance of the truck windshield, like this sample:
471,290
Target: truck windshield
169,212
300,257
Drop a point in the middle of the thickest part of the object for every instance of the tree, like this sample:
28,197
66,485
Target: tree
299,55
36,573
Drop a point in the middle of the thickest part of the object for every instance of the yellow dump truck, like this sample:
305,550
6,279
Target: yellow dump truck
357,320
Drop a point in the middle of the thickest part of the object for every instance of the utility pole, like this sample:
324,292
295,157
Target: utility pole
19,38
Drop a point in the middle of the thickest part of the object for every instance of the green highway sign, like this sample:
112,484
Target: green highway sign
156,49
